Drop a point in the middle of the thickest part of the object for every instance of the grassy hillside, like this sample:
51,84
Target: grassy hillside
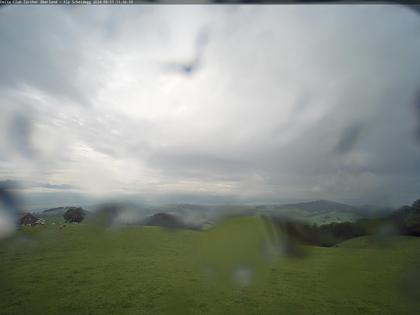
235,268
316,216
323,211
398,243
318,212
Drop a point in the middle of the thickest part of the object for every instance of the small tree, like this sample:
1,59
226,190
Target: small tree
408,218
416,206
74,214
412,223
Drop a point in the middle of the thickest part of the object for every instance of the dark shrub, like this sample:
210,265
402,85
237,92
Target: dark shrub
74,214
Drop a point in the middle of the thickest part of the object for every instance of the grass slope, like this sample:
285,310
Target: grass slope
83,269
318,212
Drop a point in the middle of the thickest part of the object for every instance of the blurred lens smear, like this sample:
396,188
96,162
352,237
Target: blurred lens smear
252,155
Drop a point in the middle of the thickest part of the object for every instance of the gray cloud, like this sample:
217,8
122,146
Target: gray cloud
286,103
349,138
15,184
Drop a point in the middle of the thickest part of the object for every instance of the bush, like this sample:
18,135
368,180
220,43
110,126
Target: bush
408,219
74,214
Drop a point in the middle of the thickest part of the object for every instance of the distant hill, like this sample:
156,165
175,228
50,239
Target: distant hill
53,212
193,215
322,211
319,211
126,213
321,206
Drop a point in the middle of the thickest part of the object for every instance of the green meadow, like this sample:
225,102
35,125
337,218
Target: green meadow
234,268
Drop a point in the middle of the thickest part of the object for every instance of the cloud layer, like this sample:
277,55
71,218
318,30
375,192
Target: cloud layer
278,102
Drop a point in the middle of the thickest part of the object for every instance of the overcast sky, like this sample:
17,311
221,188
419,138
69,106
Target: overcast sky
250,102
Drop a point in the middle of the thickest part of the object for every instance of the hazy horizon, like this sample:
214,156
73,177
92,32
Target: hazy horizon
52,199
